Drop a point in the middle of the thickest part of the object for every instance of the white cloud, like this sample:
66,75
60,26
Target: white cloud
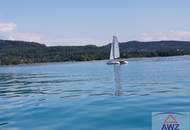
171,35
27,36
8,32
65,41
7,27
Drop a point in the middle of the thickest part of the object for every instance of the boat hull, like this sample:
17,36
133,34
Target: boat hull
117,62
112,62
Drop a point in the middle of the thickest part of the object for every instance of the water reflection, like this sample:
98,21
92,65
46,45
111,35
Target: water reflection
117,79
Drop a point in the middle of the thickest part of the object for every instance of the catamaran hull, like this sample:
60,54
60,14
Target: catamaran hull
117,62
113,62
123,62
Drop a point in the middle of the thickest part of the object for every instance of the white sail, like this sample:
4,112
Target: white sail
116,47
114,53
111,52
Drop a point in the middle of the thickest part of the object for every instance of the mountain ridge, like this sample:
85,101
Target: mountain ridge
22,52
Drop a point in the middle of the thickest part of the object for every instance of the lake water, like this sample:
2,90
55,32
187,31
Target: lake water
93,95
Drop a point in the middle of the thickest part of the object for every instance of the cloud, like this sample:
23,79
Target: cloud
65,41
7,27
171,35
8,32
27,36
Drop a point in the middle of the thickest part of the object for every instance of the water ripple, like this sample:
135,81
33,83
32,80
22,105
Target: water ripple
92,95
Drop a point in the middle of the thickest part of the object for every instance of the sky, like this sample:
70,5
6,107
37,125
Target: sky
82,22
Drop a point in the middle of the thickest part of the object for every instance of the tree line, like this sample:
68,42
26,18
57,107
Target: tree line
20,52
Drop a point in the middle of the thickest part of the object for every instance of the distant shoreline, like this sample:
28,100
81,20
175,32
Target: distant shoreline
70,62
20,52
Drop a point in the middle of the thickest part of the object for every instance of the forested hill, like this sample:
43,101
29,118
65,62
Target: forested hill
20,52
155,46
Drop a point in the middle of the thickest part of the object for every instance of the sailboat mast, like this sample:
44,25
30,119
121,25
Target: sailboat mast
113,45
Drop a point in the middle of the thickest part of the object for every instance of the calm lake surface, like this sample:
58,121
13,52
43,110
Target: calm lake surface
93,95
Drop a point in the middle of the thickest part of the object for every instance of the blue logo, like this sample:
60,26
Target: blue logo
170,121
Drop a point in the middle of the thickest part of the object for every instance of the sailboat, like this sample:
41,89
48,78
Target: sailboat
115,54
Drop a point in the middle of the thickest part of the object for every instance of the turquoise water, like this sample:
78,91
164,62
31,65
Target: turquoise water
93,95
